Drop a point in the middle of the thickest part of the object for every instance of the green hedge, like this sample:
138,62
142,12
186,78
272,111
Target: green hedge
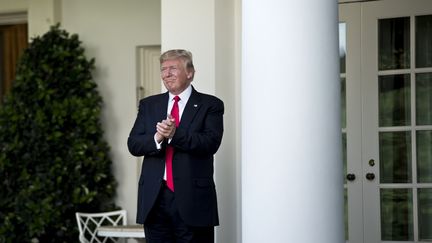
53,157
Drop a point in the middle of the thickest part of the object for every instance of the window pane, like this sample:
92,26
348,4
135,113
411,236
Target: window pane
342,46
395,157
423,41
394,100
344,154
424,157
396,215
2,71
346,213
394,43
424,98
343,102
425,213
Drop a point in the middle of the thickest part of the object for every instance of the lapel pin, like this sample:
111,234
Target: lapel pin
195,105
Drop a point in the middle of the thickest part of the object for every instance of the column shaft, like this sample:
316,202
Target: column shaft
292,188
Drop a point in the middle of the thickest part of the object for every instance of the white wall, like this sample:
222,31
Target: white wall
110,31
42,14
11,6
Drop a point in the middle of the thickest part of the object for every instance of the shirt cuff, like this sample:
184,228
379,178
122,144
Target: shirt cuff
158,145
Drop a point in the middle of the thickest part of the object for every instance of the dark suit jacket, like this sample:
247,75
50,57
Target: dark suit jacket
195,141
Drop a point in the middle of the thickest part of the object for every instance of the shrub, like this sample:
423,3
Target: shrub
53,157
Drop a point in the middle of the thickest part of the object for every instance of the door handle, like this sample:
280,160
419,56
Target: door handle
370,176
351,177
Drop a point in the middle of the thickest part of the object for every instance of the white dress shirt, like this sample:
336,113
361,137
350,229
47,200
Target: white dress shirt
184,97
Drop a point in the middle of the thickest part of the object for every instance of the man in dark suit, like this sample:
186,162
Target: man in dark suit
177,195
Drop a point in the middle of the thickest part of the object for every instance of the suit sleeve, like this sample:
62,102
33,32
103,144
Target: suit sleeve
141,138
204,135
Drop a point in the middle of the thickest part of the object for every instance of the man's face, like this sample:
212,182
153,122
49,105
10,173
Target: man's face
175,76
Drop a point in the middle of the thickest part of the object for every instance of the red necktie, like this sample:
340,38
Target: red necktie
170,149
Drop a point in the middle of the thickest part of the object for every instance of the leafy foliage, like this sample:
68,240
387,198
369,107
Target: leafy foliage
53,159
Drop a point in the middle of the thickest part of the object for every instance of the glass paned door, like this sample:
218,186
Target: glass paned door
397,120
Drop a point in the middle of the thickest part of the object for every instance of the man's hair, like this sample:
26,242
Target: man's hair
185,56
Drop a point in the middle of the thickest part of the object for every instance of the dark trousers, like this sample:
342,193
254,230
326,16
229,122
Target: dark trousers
164,224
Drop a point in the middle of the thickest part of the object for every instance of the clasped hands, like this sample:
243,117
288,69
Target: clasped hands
165,129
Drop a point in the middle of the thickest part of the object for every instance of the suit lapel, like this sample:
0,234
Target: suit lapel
192,107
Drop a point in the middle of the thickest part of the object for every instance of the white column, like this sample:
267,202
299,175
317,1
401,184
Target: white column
208,30
292,188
